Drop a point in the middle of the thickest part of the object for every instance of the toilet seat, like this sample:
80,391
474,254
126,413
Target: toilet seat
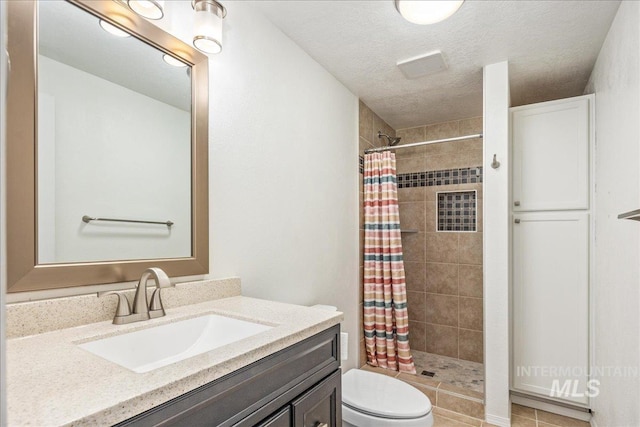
381,396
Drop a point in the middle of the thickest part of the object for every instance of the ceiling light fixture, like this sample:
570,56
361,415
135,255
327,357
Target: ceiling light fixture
173,61
112,29
427,12
208,25
150,9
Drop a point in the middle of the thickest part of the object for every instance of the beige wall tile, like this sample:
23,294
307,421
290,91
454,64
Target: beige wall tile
413,247
470,248
363,144
442,309
366,123
442,421
461,390
442,278
460,405
523,411
411,194
471,313
471,126
415,276
471,347
470,282
559,420
410,136
412,215
431,393
411,164
416,306
381,125
431,216
443,130
442,247
417,336
442,340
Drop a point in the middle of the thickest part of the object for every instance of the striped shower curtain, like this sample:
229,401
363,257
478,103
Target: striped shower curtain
386,323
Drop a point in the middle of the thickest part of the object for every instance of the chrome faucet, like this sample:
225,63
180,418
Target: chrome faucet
141,309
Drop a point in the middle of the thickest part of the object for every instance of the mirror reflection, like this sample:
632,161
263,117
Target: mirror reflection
114,142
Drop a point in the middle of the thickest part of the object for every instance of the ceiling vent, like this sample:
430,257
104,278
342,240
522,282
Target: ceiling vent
422,65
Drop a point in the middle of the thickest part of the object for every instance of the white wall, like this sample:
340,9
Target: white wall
497,243
284,171
104,161
615,81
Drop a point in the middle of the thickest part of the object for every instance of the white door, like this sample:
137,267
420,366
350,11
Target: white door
550,304
551,155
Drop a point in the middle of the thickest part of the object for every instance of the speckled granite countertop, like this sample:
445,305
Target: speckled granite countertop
53,382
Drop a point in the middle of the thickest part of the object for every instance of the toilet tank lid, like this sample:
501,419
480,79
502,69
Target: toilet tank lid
381,395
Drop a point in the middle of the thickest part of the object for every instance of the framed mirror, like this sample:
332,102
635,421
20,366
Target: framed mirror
107,140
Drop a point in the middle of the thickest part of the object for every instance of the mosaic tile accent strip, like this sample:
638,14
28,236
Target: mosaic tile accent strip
361,164
440,177
457,211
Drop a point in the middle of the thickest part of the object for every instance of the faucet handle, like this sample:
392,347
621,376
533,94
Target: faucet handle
123,309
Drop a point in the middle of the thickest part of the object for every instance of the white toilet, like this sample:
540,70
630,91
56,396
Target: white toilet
377,400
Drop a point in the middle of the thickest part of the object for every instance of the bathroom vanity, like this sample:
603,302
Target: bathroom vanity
297,386
288,375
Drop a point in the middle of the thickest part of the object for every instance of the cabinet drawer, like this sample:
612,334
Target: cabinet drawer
280,419
320,406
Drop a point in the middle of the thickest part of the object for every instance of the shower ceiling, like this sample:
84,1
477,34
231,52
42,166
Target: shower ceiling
551,47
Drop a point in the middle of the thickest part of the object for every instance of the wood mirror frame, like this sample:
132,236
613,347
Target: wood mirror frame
23,272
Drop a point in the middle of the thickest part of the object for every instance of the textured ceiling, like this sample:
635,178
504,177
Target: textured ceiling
551,47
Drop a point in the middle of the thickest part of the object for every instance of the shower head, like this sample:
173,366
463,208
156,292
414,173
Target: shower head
390,141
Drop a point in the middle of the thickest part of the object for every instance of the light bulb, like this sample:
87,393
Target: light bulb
112,29
427,12
150,9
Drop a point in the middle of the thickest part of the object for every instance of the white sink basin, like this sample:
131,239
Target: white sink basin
151,348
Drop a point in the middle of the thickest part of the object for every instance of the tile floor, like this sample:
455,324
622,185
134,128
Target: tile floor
522,416
457,372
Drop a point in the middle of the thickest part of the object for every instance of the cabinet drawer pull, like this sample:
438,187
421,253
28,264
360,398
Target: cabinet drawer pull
516,203
517,221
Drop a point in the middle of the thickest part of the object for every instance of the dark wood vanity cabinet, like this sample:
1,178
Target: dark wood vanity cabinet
295,387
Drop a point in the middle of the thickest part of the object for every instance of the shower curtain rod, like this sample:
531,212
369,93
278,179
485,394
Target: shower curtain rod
417,144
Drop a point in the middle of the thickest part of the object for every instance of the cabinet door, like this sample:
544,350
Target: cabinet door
550,304
321,406
551,155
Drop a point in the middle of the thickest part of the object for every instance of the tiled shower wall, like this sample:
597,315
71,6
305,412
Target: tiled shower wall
370,124
443,268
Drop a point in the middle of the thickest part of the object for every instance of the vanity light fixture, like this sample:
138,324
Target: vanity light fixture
427,12
112,29
173,61
208,25
150,9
